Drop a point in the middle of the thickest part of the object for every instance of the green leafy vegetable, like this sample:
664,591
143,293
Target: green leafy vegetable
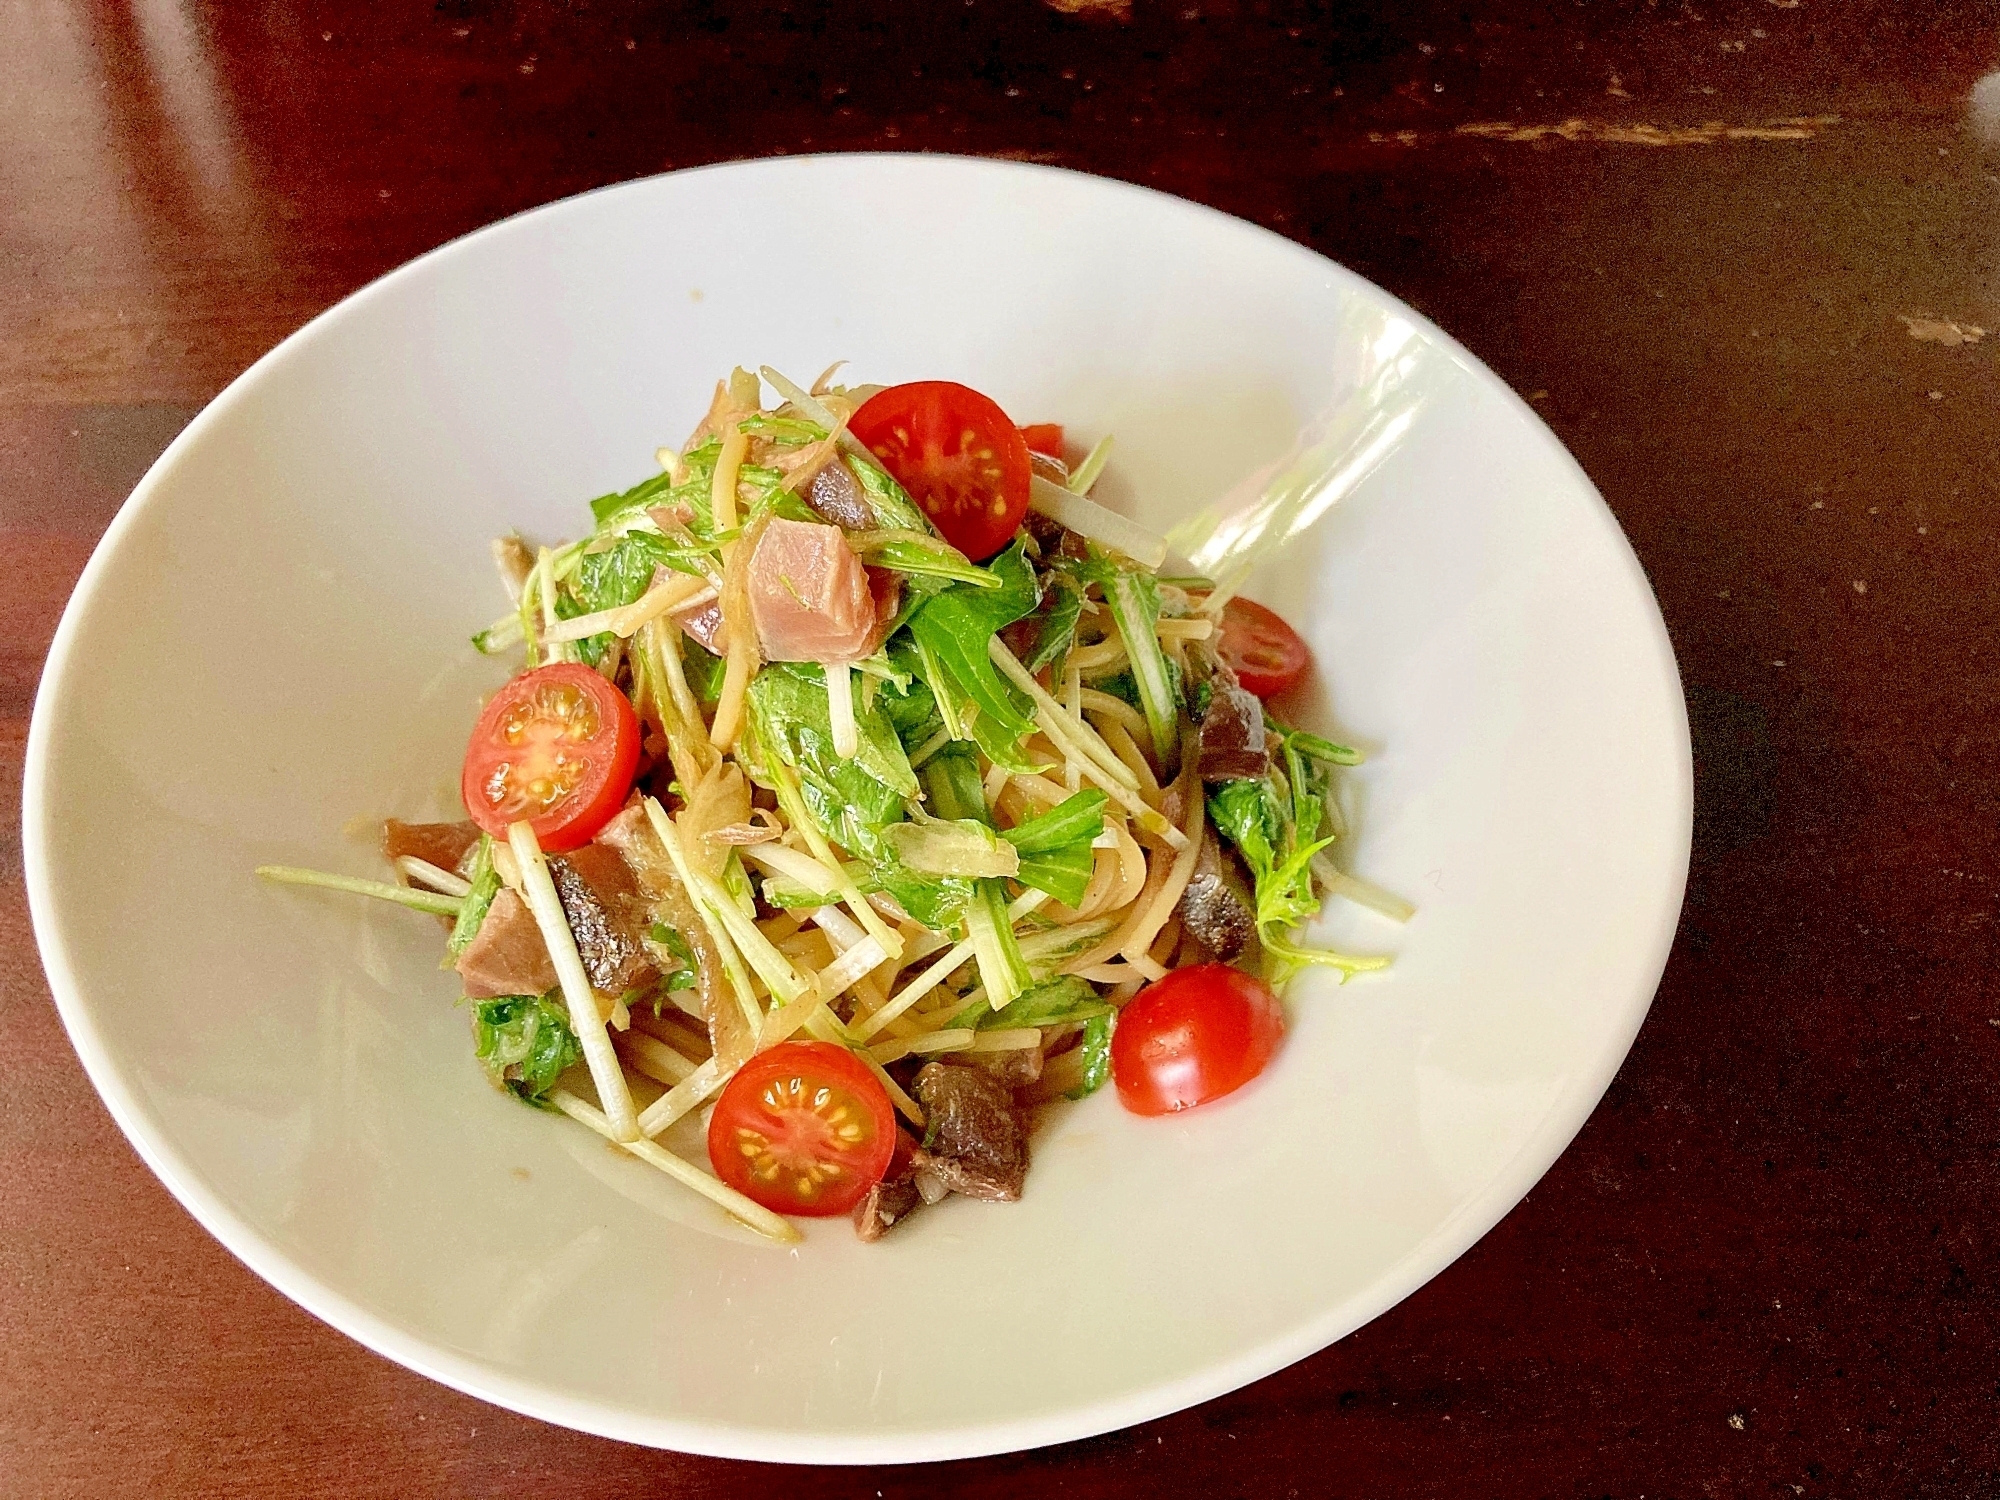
1064,873
883,668
954,708
783,891
614,576
910,705
693,496
485,881
1078,817
952,631
778,501
609,508
893,507
617,576
622,573
936,901
951,778
1002,969
789,699
952,781
592,648
1056,853
952,846
703,669
793,431
1096,1048
1274,823
1055,624
524,1042
684,975
1134,597
916,553
851,799
1312,746
1050,948
1264,828
1120,685
1057,1002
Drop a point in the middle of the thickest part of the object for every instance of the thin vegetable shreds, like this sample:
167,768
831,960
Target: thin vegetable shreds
918,776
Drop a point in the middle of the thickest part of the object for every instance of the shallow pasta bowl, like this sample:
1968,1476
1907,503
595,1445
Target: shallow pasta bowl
285,603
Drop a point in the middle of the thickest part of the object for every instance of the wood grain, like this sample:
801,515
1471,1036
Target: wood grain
1693,240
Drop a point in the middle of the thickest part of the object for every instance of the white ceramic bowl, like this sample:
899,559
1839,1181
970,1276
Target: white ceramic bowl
269,650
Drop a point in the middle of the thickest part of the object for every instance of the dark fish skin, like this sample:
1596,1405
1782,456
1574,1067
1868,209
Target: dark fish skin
836,496
606,916
976,1140
895,1197
1217,907
1230,743
602,902
976,1143
728,1030
704,624
1046,534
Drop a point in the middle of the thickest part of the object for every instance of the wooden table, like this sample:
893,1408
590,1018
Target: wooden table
1738,254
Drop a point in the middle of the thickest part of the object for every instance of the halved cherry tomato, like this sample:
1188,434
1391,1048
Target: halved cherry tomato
1267,654
556,746
957,454
804,1128
1044,437
1194,1036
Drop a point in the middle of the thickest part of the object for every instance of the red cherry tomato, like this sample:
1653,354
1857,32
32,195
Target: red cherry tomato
804,1128
1194,1036
1267,654
957,455
556,746
1044,437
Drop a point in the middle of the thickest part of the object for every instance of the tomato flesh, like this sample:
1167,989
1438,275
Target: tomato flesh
1194,1036
1266,654
957,454
804,1128
556,746
1044,437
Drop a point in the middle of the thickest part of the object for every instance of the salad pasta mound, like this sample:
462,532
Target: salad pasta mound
867,785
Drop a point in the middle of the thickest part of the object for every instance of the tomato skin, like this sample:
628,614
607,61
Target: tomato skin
1194,1036
1044,437
562,721
777,1132
1267,655
957,453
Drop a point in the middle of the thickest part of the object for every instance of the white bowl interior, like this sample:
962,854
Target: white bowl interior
270,651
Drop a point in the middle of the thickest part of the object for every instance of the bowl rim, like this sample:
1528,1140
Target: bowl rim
748,1440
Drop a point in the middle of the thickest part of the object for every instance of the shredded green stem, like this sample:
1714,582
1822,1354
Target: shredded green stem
1092,466
793,805
525,611
750,1214
1278,945
711,916
1136,627
538,889
381,890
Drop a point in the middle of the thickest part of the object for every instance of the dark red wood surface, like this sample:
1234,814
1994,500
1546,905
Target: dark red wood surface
1719,244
